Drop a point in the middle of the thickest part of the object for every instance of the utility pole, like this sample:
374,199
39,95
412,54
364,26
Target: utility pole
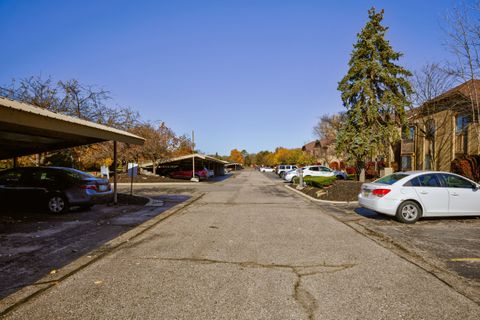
193,158
115,196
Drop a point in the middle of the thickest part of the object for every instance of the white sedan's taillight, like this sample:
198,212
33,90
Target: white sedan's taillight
380,192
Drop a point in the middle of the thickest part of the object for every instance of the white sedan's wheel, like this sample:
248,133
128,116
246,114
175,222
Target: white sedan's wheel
57,204
408,212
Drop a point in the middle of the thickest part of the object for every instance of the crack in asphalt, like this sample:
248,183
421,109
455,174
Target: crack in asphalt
300,294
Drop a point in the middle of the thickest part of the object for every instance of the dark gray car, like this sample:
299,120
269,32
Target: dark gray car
54,188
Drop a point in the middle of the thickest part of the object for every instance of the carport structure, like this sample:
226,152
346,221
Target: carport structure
26,130
201,161
234,166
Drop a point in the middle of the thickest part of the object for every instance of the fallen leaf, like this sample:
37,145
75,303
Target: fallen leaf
98,282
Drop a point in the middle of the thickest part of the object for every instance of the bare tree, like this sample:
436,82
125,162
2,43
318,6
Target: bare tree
429,83
326,130
37,91
328,126
463,39
85,102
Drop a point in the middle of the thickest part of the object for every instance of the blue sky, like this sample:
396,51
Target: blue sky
243,74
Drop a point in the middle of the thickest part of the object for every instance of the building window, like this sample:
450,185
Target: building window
462,123
409,135
461,134
406,163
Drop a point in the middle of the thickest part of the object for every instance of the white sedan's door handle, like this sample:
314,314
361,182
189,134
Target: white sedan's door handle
423,192
454,194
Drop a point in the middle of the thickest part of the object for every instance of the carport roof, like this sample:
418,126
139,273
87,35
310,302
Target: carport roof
26,129
196,155
187,157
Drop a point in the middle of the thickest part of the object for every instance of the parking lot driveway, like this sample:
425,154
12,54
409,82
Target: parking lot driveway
32,244
453,242
450,245
248,249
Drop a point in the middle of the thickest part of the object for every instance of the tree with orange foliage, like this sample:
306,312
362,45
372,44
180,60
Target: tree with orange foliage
236,156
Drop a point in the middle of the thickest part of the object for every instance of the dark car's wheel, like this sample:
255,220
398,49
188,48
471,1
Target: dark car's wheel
340,177
57,204
408,212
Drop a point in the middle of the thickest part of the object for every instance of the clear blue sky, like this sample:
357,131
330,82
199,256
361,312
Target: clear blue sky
243,74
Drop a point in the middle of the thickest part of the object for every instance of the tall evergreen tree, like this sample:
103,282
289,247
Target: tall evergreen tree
375,92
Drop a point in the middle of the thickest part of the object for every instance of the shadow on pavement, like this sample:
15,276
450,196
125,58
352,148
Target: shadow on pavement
219,178
34,242
372,214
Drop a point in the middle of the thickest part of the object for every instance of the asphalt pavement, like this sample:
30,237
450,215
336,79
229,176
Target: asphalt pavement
34,243
249,249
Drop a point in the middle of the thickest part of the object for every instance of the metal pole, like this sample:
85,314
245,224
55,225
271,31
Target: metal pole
15,162
115,172
193,154
131,183
300,178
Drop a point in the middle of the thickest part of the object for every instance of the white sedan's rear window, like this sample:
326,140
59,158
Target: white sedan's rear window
391,179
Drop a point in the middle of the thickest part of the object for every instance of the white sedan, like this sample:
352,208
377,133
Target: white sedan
289,175
309,171
317,171
266,169
412,195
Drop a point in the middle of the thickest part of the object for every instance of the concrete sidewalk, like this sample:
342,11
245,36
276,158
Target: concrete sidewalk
249,249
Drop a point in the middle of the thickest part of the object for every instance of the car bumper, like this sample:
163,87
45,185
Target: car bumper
382,205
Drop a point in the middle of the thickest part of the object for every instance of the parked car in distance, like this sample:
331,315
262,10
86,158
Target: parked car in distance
201,174
210,173
340,175
281,169
317,171
412,195
54,188
289,175
266,169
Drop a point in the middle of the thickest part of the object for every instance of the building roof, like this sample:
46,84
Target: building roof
322,143
460,93
26,129
465,89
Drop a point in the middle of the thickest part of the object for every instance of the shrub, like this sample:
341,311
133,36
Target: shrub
468,166
319,182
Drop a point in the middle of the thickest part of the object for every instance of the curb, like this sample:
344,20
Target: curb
23,295
319,200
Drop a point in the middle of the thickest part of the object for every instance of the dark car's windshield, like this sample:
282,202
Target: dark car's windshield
391,179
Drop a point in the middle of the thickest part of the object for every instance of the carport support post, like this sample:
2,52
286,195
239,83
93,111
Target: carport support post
115,172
